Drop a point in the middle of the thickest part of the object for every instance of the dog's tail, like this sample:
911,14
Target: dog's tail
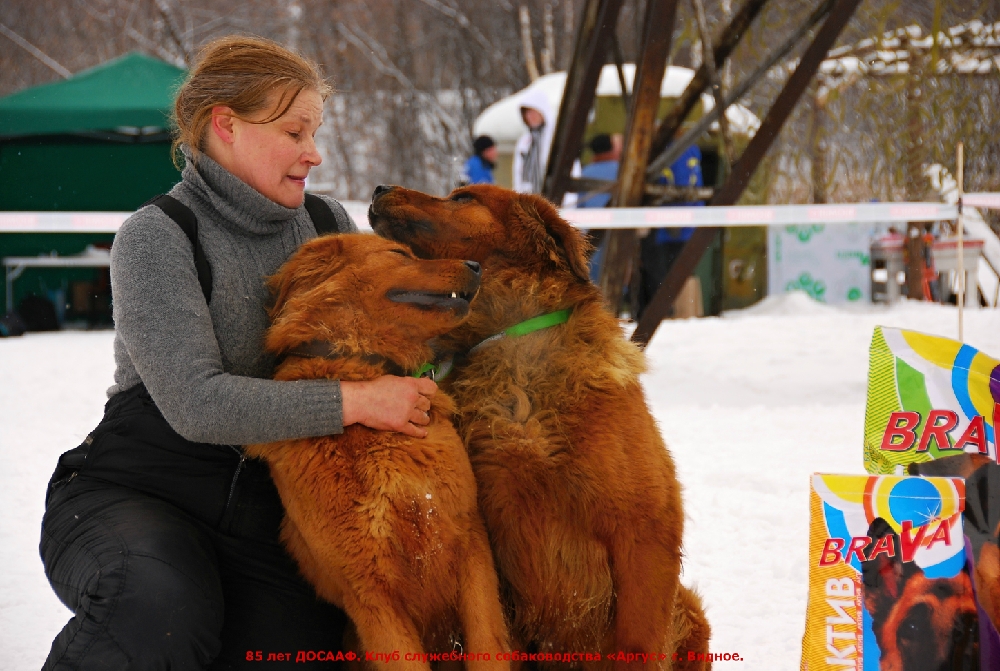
691,632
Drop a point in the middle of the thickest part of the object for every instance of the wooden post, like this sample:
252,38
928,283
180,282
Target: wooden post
678,146
692,94
744,168
600,19
658,29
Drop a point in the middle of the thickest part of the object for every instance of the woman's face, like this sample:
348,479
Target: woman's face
275,157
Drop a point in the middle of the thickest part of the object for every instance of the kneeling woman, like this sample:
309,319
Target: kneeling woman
158,533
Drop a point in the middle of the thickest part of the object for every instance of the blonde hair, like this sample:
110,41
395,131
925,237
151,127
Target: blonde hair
240,73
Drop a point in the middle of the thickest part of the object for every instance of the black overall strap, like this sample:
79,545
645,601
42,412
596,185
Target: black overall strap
321,214
184,217
324,219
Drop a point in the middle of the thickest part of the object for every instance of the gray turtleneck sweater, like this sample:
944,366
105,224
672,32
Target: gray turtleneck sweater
204,365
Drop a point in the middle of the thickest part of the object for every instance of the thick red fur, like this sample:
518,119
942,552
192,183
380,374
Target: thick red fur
382,524
578,491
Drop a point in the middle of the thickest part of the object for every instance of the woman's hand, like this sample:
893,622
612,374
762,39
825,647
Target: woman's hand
389,403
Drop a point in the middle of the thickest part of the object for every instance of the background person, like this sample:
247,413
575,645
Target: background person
659,249
479,168
164,539
531,152
607,150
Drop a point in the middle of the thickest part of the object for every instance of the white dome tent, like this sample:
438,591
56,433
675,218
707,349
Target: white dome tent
502,119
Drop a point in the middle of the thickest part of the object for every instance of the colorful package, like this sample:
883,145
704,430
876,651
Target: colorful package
928,398
888,583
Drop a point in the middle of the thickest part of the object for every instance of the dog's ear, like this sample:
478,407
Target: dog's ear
314,261
883,576
564,241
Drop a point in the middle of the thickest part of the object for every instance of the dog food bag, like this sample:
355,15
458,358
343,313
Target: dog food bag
928,397
888,583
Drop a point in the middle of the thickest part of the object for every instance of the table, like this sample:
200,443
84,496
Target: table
15,265
888,271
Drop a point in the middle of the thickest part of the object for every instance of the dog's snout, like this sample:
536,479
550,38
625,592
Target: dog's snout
473,266
380,189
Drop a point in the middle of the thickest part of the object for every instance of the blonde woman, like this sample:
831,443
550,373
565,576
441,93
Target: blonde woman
158,533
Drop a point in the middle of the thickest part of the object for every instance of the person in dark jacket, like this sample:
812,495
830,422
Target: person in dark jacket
479,168
158,534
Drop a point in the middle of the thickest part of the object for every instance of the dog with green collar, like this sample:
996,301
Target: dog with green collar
577,489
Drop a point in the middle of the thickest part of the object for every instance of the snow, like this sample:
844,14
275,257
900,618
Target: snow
750,404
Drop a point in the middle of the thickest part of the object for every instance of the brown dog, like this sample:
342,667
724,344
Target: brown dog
920,623
578,491
382,524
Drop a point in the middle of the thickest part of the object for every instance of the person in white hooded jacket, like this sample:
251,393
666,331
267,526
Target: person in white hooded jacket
531,153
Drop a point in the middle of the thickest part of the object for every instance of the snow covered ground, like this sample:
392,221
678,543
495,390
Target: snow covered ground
750,405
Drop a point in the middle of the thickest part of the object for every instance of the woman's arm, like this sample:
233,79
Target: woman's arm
164,323
389,403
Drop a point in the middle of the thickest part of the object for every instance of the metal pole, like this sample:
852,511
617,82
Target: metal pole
960,163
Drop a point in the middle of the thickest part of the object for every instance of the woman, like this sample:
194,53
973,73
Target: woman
163,539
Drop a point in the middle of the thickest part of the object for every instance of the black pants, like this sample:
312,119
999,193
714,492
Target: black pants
655,261
167,552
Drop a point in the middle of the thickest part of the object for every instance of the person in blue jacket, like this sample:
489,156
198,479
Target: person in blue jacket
662,246
607,150
479,168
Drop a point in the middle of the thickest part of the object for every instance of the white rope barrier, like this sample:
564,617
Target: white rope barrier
759,215
606,218
985,200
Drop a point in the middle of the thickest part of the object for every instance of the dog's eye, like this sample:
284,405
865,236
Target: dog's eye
915,626
462,197
401,252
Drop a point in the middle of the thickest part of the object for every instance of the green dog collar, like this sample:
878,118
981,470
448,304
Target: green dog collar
529,326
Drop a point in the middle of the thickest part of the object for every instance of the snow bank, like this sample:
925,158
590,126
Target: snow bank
750,405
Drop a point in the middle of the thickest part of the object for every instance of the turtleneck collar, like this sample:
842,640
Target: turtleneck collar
240,204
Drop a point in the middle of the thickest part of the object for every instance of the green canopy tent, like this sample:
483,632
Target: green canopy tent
98,141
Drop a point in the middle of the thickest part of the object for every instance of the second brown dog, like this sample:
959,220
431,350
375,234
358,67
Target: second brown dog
578,491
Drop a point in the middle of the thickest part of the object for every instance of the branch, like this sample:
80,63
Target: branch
462,20
173,30
379,58
155,47
708,54
35,51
